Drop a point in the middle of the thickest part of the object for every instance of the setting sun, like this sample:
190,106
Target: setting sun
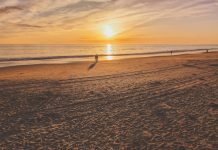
108,31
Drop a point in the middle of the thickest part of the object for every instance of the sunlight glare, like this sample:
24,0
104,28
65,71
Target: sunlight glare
109,50
108,31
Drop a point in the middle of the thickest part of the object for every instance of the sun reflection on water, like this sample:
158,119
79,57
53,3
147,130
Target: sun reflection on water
109,50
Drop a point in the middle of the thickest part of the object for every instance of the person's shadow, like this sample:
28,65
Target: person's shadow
92,65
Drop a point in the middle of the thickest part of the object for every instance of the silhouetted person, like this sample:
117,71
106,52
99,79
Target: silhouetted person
96,58
171,52
94,64
207,50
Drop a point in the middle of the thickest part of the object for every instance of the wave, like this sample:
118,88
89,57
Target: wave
105,55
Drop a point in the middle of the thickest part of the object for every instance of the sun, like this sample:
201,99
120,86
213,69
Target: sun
108,31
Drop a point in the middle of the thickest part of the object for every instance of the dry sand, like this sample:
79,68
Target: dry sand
143,103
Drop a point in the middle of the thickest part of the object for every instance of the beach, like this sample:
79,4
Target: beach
167,102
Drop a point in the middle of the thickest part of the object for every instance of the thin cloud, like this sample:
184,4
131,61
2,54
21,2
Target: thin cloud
8,9
58,15
28,26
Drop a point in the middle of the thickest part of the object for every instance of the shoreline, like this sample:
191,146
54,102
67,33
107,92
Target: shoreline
126,56
70,59
81,68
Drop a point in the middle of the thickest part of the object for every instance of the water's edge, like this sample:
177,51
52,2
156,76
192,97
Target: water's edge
5,63
105,55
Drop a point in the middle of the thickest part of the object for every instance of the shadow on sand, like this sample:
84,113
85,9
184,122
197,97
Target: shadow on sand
92,66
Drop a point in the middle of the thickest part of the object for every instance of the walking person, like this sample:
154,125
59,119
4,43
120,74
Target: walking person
96,58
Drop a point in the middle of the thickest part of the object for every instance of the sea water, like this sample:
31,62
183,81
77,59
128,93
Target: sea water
13,55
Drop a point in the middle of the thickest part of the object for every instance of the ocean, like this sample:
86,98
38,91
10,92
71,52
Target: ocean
14,55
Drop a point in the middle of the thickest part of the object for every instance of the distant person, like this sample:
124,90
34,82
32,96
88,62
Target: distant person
95,63
171,52
96,58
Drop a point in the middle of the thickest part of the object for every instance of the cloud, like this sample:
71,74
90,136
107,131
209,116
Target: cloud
8,9
23,15
28,26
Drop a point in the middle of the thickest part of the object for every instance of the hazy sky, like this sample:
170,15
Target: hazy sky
132,21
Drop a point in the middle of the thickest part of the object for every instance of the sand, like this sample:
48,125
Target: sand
144,103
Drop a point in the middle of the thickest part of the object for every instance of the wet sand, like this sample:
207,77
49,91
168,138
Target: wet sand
144,103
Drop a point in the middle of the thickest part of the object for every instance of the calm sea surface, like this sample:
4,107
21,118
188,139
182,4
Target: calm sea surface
37,54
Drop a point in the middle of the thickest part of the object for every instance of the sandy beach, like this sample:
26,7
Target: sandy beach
141,103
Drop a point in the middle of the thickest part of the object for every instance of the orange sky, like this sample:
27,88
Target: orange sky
132,21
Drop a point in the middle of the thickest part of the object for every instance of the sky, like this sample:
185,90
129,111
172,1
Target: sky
131,21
